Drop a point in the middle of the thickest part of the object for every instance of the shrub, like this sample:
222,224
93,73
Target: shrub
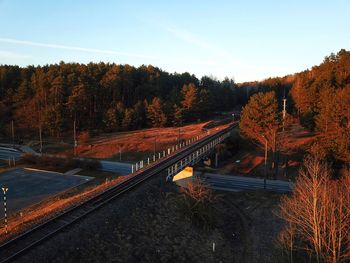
197,203
63,163
84,136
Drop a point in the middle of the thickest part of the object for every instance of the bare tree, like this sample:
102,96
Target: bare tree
198,203
318,213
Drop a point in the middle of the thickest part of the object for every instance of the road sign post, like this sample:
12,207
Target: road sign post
4,190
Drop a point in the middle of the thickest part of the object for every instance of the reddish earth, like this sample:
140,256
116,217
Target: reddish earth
252,162
248,162
144,141
298,137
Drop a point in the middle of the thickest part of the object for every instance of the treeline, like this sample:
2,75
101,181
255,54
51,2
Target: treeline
107,97
322,101
320,98
281,86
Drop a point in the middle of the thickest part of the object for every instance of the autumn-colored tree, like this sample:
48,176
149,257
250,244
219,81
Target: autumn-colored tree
86,93
321,96
190,102
333,123
155,113
260,119
263,123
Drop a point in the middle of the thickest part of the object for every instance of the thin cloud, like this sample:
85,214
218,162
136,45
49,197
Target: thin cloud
226,64
74,48
11,55
108,52
192,39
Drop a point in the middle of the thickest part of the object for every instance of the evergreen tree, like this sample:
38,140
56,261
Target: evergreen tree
110,120
155,113
190,102
128,122
260,119
178,116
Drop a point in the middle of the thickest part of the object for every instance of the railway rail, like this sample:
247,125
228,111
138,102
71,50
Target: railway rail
22,243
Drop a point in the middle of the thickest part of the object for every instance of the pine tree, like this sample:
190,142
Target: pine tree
155,113
204,103
178,115
140,115
128,122
190,102
260,119
110,120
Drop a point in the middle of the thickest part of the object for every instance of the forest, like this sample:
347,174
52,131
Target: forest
106,97
318,97
322,102
111,97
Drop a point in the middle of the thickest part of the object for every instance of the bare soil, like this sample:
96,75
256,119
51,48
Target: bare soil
251,161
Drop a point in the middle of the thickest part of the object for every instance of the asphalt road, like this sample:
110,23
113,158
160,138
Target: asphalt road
27,187
9,153
116,167
238,183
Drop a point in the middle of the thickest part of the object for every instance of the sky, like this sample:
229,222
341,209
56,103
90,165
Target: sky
244,40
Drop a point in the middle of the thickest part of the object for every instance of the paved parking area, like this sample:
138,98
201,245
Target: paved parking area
27,186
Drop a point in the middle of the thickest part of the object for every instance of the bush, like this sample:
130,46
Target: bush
29,158
62,163
84,136
90,164
307,120
197,204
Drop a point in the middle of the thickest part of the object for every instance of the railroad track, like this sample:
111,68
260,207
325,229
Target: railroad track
22,243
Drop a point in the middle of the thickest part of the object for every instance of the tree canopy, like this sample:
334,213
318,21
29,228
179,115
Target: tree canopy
107,97
322,99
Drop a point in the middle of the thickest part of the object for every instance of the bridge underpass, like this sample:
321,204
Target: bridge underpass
194,157
221,182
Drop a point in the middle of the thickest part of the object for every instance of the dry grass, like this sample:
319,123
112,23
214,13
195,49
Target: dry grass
248,162
252,160
298,138
143,141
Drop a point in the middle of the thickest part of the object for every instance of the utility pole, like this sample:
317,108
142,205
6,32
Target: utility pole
120,154
13,133
284,112
75,139
265,169
155,146
4,190
41,140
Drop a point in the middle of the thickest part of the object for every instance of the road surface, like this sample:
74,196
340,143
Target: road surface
238,183
116,167
29,186
9,153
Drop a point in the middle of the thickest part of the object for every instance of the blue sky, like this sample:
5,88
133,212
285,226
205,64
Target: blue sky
244,40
